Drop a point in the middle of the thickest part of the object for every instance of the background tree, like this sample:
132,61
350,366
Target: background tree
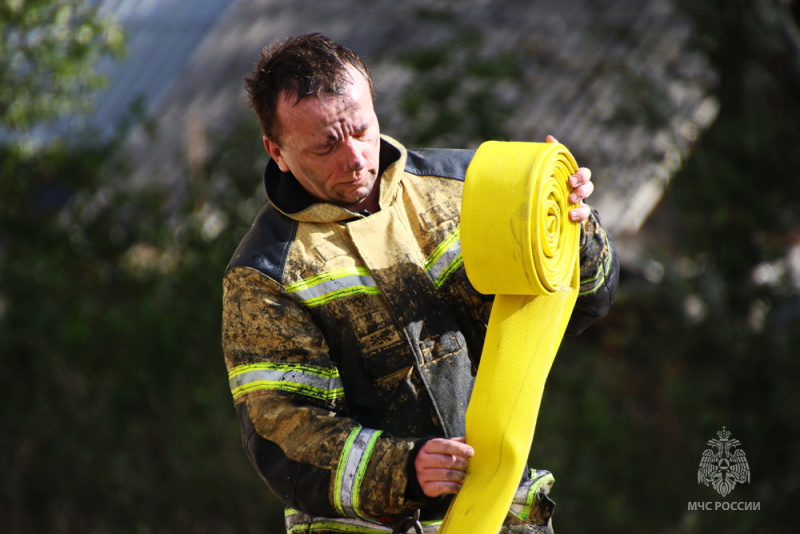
48,53
116,414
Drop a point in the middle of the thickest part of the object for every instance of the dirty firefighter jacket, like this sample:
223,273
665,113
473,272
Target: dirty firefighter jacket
350,337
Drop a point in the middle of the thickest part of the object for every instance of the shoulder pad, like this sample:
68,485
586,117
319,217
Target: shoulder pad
443,162
267,243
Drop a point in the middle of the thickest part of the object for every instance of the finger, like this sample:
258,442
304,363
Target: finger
581,193
442,475
551,139
581,176
445,461
580,213
456,447
435,489
437,481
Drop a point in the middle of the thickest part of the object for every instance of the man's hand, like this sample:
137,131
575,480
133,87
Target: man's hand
582,187
441,464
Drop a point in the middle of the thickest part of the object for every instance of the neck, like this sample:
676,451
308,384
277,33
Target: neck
371,202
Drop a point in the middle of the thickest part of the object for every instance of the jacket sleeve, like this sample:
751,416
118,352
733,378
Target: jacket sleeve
293,414
599,275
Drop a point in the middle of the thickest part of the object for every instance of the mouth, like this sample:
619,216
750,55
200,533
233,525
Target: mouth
359,180
355,188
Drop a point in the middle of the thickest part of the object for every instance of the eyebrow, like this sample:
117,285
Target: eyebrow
332,139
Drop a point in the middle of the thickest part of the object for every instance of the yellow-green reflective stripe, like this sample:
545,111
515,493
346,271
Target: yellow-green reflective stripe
350,472
344,525
299,522
526,494
600,276
316,382
325,277
325,287
337,491
344,292
445,259
325,372
372,438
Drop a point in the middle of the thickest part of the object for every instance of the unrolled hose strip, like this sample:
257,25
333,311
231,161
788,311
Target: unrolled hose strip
518,243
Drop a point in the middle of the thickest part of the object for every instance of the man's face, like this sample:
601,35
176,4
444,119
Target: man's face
330,144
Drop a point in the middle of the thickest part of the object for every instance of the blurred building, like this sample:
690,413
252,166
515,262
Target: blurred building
620,82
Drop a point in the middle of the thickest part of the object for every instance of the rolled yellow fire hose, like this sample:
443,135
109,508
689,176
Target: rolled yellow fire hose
518,243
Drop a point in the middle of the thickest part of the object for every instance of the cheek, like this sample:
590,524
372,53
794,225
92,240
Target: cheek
373,152
317,174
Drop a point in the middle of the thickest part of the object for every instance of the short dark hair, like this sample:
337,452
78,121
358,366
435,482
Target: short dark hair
302,66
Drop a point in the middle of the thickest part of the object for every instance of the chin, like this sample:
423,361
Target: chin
357,201
356,196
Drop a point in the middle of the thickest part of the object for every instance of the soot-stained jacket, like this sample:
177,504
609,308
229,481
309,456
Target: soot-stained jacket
349,338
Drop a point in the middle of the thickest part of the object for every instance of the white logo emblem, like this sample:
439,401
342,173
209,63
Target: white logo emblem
725,467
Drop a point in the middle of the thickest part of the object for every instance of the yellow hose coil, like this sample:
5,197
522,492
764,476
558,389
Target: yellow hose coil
518,243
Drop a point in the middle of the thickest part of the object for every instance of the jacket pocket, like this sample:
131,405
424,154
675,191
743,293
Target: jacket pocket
383,347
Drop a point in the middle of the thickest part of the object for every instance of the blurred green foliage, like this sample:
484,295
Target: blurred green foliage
116,415
116,412
48,53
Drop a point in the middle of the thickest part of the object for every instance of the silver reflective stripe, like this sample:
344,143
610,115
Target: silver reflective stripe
328,286
445,259
525,496
303,523
317,382
299,522
352,464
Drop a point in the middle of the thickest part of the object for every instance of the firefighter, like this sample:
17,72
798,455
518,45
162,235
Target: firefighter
351,333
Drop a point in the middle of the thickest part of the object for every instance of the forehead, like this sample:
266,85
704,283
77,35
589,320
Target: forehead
319,112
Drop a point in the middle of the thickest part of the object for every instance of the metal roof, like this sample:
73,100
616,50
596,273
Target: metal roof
583,58
160,37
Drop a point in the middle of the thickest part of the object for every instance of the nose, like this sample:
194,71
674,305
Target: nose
354,159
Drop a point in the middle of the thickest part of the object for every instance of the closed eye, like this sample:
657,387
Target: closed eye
323,151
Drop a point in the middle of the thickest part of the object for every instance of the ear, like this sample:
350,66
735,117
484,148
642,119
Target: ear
275,153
